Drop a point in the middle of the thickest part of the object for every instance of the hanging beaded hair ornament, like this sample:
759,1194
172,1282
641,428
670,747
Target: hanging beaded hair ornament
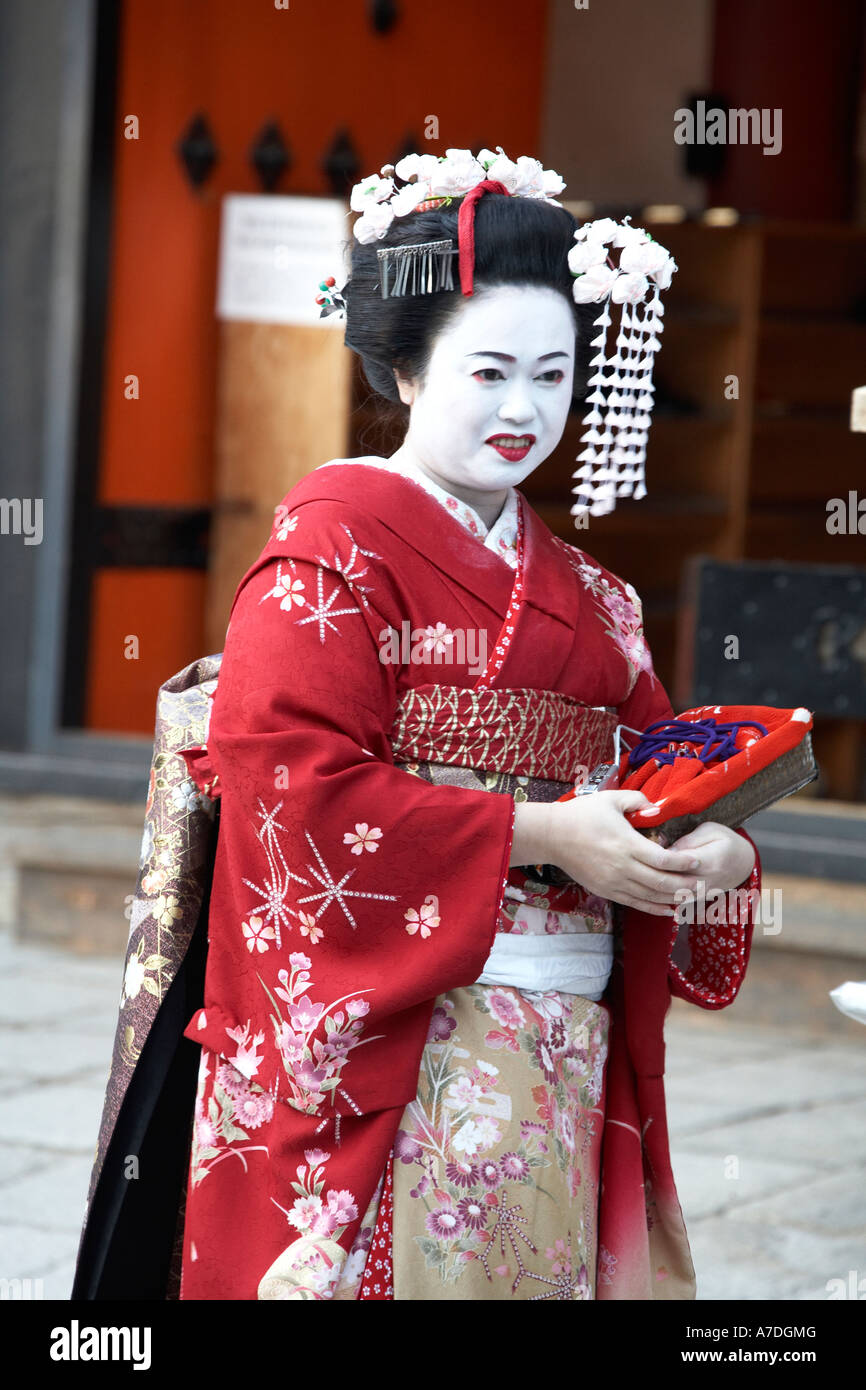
621,397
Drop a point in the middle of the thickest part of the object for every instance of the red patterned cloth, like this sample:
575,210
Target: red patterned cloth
378,1280
682,783
547,734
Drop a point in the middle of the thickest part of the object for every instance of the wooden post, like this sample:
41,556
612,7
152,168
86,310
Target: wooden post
282,409
284,376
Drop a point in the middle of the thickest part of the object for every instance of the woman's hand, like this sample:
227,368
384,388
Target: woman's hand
727,859
590,839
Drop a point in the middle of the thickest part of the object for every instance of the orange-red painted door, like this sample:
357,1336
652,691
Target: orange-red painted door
470,75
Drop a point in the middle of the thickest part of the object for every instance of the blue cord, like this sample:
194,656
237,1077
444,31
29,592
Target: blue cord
708,732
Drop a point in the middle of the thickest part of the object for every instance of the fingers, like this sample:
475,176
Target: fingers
654,909
647,851
669,861
659,886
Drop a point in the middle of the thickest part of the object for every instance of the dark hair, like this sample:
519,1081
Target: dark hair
518,241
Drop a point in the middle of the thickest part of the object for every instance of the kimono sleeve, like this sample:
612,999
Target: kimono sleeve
707,958
347,893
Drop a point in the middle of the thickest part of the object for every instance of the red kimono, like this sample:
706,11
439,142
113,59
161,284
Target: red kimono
349,895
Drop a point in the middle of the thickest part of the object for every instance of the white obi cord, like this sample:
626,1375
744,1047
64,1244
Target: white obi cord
570,962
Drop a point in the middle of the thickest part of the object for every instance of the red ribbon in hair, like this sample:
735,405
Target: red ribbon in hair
466,229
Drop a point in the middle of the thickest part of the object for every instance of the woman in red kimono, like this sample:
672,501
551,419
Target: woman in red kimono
426,1071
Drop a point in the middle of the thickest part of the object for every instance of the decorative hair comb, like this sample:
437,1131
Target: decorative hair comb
421,268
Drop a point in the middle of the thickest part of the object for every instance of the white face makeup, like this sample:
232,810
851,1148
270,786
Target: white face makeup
502,367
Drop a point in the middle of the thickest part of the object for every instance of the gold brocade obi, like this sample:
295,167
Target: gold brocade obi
532,745
519,733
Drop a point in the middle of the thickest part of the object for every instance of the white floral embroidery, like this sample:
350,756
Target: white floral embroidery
425,919
246,1059
288,591
438,638
257,934
364,838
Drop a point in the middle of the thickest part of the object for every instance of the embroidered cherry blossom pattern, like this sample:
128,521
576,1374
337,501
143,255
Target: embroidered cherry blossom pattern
425,919
314,1040
621,611
224,1111
257,935
567,1281
320,1212
438,638
284,522
365,837
289,591
606,1265
314,1264
308,928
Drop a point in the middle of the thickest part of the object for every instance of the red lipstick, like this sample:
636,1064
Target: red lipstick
512,447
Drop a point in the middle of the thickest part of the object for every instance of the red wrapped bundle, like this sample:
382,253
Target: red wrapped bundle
717,762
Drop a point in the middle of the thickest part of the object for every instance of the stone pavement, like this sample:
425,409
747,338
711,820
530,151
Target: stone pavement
768,1133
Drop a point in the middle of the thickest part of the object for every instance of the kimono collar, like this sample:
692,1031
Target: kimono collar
500,537
549,583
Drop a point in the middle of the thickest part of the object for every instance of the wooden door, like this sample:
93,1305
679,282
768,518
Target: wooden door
467,75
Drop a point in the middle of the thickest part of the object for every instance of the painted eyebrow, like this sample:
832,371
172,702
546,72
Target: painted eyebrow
504,357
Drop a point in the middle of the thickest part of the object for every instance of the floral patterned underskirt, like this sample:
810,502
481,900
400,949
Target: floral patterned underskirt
496,1163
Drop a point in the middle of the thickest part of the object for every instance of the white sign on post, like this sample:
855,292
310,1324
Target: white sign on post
274,252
